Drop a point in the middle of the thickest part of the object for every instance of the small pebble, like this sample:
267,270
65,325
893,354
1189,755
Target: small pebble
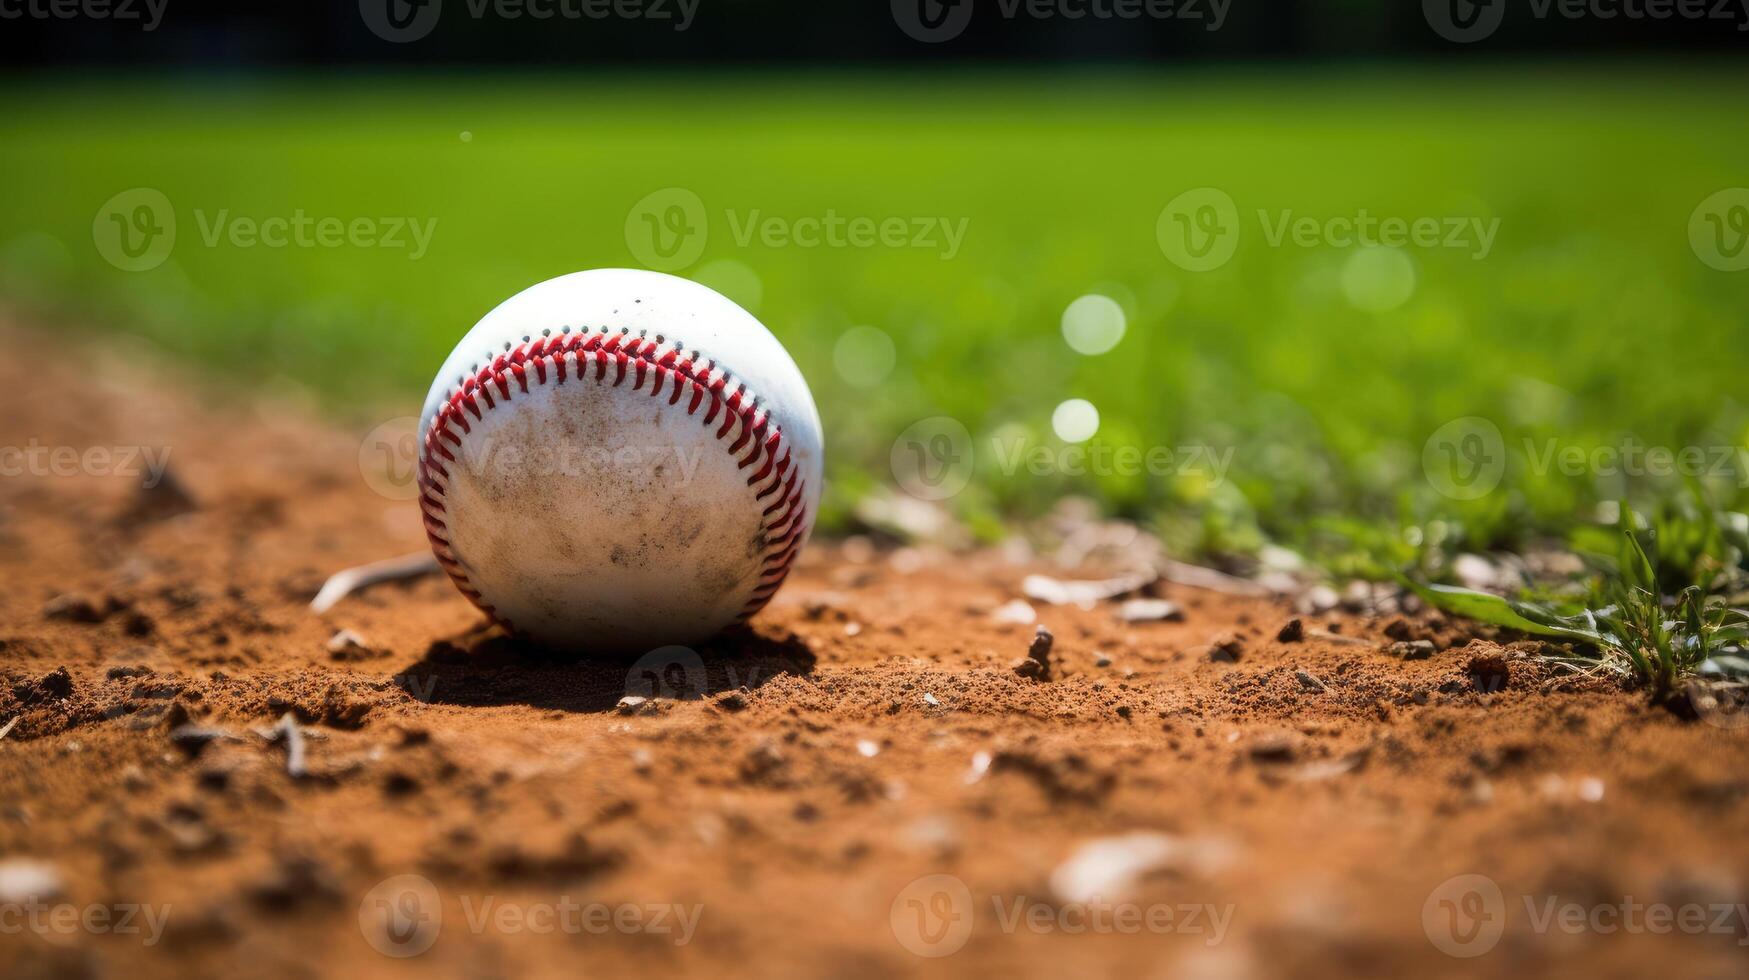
1149,611
1309,682
1017,612
72,608
22,879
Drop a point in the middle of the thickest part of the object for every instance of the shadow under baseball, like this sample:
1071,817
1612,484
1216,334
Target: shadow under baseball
486,668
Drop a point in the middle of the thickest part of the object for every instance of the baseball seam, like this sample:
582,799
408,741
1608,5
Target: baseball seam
784,519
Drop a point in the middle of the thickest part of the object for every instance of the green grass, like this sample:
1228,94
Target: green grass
1589,323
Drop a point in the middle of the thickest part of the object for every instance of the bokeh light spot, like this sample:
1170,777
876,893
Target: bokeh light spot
1093,324
864,356
1378,279
1075,420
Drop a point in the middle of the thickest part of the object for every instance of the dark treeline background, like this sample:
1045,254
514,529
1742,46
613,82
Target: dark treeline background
221,34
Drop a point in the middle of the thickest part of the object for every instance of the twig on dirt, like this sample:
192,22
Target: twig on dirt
287,733
1061,592
1338,638
1198,577
343,584
8,729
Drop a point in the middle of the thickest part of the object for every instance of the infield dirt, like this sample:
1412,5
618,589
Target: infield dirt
1203,796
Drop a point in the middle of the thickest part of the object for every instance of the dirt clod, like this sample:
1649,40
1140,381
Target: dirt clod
1226,648
1489,672
1037,664
1413,649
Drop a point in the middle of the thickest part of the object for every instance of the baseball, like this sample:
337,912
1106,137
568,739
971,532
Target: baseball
617,459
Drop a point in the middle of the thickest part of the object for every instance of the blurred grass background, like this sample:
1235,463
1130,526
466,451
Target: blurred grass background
1591,321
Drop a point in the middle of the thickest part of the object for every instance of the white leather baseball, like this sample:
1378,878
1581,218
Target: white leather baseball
619,459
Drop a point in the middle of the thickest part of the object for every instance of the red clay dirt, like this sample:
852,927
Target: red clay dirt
1269,807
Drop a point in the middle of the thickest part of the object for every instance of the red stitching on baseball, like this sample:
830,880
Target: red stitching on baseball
784,519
